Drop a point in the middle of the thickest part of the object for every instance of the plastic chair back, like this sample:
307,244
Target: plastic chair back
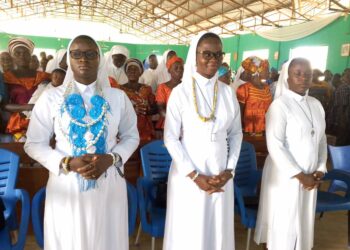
155,160
9,166
9,163
340,158
246,165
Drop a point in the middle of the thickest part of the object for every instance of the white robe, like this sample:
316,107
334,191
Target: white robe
118,74
196,220
150,78
286,210
97,218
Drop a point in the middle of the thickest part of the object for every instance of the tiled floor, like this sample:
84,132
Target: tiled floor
330,234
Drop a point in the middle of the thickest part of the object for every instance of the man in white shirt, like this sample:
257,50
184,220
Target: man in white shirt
149,76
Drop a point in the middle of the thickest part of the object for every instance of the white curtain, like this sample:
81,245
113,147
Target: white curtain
298,31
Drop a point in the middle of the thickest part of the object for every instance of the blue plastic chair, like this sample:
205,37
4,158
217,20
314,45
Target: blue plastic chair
156,161
340,158
329,201
9,166
152,218
38,212
246,180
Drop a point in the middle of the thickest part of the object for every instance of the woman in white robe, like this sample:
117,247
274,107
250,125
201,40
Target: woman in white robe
200,185
115,64
296,141
162,71
57,62
86,198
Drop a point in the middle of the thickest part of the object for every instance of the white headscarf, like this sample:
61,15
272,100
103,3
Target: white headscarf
238,81
54,63
118,49
112,70
162,71
282,84
102,76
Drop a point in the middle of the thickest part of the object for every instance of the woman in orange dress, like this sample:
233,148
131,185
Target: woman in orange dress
175,66
141,97
254,96
21,84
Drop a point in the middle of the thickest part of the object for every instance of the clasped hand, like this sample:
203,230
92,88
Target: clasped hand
213,184
91,166
310,181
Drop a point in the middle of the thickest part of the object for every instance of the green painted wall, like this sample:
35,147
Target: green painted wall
334,35
136,50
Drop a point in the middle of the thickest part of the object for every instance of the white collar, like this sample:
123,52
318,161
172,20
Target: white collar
296,96
201,80
90,88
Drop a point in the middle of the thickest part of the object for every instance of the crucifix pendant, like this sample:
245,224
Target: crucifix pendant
312,132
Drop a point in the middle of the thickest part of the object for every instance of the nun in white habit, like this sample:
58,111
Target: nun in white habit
162,71
115,64
202,120
56,61
296,141
86,197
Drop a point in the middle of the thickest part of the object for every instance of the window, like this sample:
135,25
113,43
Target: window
317,55
261,53
227,58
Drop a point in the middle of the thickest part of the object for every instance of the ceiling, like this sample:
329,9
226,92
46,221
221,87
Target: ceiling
175,22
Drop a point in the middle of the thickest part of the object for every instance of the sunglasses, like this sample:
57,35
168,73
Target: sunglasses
207,55
78,54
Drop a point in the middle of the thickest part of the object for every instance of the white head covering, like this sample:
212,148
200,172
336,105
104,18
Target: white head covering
191,62
54,63
102,76
118,49
282,84
133,62
238,81
163,74
112,70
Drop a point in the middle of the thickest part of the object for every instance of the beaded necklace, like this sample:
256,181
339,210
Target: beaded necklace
87,130
212,114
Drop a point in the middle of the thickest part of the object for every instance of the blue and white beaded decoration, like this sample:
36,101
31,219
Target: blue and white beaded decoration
87,130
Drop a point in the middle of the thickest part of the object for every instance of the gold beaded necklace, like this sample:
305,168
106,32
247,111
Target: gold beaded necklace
212,114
